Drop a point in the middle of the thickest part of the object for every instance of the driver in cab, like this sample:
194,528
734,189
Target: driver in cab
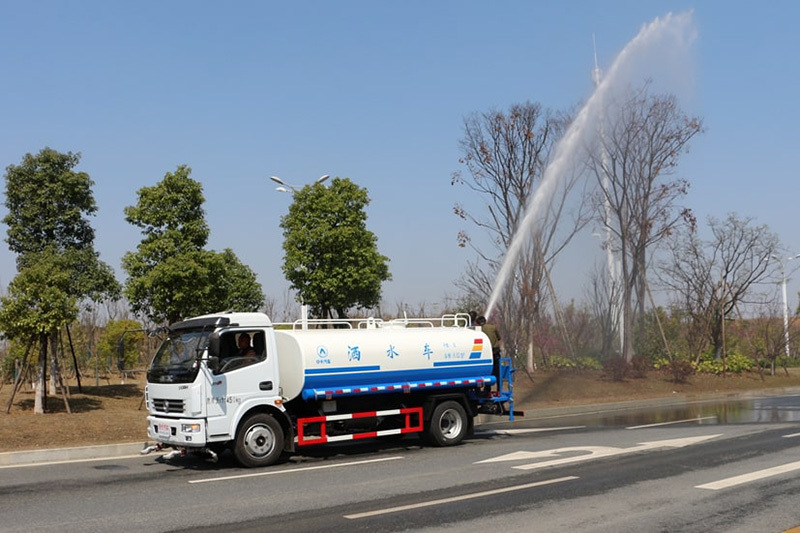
245,350
244,355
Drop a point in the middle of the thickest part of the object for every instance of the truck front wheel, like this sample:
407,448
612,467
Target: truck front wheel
448,424
259,441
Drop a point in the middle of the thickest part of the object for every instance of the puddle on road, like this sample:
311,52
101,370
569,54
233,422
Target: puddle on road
763,410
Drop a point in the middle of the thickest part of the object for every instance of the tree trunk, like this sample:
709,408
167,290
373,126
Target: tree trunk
54,367
531,362
22,375
74,360
55,371
40,397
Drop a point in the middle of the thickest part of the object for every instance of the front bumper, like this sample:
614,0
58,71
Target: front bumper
187,432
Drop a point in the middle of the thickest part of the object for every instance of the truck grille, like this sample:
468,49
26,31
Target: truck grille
168,406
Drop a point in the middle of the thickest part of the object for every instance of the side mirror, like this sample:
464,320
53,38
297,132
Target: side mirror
213,345
213,364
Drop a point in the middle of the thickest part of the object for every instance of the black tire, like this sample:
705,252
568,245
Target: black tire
217,447
448,425
259,441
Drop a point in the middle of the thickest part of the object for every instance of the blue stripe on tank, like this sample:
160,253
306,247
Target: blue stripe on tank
453,370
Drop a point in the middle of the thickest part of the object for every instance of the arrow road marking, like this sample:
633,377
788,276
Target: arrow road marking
578,454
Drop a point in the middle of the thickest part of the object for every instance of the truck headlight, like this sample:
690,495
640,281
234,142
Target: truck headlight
190,428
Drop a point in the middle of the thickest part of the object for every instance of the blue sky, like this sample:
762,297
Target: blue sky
377,92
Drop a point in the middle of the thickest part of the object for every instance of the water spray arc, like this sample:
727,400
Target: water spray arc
673,30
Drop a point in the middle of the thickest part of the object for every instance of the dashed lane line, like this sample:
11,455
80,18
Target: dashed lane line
463,497
698,419
522,431
296,470
752,476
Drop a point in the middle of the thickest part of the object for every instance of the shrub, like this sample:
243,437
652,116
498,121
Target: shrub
562,363
734,363
679,370
737,363
617,368
559,362
639,366
662,363
709,367
589,363
782,362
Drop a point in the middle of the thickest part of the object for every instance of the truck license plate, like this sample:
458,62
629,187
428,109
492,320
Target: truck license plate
164,431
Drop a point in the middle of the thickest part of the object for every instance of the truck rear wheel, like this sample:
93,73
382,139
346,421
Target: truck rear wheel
448,424
259,441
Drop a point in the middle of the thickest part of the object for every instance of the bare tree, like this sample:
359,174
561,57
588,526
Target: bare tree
505,155
712,279
601,294
637,150
765,333
689,276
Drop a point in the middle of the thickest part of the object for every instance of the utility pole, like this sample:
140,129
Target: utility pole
611,261
783,263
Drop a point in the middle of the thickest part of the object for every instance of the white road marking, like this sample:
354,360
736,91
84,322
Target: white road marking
457,498
530,430
752,476
698,419
586,453
69,461
296,470
791,435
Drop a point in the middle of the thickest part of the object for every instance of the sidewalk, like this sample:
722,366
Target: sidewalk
131,449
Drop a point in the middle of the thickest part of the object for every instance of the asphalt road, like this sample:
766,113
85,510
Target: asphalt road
723,466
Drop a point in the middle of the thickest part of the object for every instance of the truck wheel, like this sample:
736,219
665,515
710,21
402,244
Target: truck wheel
259,441
448,424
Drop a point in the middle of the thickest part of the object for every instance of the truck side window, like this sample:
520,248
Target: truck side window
260,345
240,349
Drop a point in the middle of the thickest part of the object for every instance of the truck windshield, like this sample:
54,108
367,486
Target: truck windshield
176,359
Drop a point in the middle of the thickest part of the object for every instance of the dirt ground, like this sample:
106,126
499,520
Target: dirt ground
113,412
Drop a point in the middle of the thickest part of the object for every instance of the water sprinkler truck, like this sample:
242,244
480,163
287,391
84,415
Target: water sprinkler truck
318,381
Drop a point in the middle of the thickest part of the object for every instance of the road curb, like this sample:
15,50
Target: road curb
103,451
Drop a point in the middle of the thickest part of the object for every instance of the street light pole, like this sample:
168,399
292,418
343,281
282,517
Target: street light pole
285,187
783,263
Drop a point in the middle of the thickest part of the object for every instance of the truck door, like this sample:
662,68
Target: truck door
244,372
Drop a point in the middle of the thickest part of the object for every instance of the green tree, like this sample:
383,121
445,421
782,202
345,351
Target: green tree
48,204
128,331
330,258
171,275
